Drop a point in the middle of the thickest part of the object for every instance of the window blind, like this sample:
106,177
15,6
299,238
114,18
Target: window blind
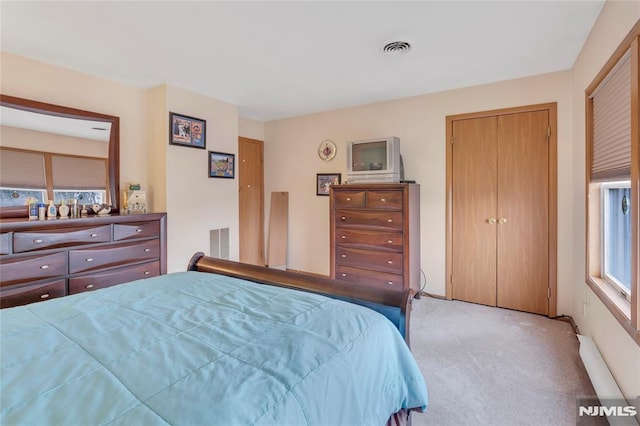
65,171
21,169
611,151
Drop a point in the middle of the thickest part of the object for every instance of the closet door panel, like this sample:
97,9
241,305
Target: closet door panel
474,204
523,205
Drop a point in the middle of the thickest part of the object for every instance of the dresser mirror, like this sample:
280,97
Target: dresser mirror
51,152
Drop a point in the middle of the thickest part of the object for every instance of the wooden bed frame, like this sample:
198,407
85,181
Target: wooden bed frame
394,305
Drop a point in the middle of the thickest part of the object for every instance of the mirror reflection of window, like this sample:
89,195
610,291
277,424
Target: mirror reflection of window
71,153
23,174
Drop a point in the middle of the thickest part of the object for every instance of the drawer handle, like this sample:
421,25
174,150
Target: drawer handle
344,275
390,220
384,200
93,235
389,241
344,255
44,296
147,250
349,199
138,230
44,267
89,286
147,272
390,282
390,262
343,236
89,259
38,241
343,218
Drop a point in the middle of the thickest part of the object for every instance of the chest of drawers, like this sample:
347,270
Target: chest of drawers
40,260
375,235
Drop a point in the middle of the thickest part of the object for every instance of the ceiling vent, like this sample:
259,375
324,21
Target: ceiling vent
396,47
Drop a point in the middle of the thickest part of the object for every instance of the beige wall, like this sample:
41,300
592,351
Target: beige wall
29,79
620,352
251,129
291,164
197,203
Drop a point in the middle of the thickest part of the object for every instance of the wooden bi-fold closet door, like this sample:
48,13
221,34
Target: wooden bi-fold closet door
499,231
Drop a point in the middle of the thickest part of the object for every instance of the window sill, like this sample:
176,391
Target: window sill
617,305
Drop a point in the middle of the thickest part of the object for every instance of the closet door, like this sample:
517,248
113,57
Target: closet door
523,205
473,208
500,210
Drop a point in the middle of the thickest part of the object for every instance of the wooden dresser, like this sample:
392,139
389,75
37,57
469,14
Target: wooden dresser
375,235
43,259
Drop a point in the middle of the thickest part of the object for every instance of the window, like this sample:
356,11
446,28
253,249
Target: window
613,183
616,240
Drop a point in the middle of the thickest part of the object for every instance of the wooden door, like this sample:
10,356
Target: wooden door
501,235
473,208
523,204
251,200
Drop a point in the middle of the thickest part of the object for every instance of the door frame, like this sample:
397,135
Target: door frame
553,193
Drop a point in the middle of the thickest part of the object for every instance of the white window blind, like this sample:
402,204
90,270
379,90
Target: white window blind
21,169
611,149
65,172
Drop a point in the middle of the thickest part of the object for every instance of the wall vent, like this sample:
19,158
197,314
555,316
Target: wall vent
219,243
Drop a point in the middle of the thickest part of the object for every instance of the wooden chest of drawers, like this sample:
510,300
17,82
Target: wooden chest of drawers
44,259
375,235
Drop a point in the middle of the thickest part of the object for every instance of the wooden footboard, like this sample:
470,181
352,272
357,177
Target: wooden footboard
394,305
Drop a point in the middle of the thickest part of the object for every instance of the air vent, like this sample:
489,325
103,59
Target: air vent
396,47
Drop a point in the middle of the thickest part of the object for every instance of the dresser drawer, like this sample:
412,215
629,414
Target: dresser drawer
370,259
346,199
4,243
369,219
22,295
33,268
135,230
100,257
391,200
378,240
368,277
112,277
27,241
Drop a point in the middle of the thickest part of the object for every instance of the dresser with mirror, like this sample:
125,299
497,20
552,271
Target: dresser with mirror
67,155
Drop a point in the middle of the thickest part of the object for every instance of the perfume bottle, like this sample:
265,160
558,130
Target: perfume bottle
63,209
52,210
75,211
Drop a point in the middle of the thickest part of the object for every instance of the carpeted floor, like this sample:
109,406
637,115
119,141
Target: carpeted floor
493,366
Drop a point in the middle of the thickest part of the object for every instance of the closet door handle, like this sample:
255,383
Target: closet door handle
492,220
502,220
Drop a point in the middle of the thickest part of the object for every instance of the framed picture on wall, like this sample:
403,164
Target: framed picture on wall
222,165
325,180
187,131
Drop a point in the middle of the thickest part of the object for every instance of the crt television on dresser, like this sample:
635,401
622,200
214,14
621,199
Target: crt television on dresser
374,160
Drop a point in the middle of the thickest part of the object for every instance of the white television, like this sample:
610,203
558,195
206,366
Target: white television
374,160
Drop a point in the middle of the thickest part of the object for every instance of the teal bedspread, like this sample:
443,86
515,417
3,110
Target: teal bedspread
202,349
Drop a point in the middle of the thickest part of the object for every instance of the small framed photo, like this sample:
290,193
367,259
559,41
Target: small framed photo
325,180
187,131
222,165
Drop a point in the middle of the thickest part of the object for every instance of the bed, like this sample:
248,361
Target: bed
221,343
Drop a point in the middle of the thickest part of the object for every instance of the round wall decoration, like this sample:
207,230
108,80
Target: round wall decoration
327,150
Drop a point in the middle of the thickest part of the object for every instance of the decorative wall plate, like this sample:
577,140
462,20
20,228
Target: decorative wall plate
327,150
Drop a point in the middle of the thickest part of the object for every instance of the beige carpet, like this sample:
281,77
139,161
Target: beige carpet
493,366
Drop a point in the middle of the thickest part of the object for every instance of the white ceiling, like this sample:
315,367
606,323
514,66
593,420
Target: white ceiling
282,59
